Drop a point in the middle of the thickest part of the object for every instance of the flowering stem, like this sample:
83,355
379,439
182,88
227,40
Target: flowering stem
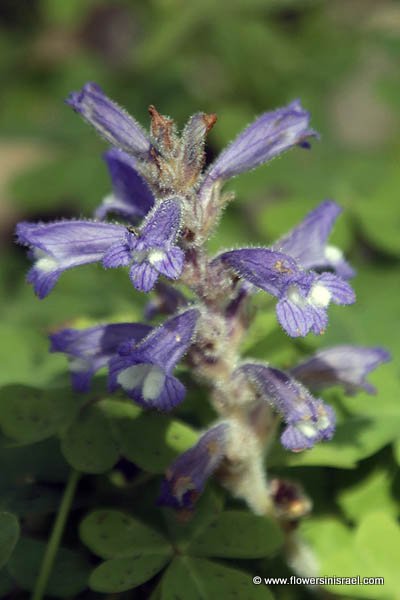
55,537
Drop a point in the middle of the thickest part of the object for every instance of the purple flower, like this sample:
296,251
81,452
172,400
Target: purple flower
90,349
270,135
150,251
62,245
307,243
110,120
341,365
144,370
308,420
303,297
131,196
186,477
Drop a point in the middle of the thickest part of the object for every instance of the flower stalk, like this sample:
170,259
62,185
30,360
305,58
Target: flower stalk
55,536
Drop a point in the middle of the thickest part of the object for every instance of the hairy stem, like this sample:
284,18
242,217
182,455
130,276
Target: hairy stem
55,537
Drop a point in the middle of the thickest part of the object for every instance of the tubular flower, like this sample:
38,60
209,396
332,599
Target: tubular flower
186,477
341,365
308,420
144,369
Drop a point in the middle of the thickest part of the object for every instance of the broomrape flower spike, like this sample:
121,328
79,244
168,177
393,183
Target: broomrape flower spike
167,202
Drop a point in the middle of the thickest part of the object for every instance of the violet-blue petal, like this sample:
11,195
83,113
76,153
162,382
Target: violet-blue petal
270,135
90,349
303,303
143,276
110,120
170,263
262,267
341,292
144,370
119,254
165,394
163,223
344,365
150,250
169,342
296,319
186,477
307,243
308,419
131,196
62,245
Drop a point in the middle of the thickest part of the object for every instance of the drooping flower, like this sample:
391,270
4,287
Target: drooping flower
186,477
56,247
341,365
150,251
90,349
131,196
303,296
271,134
144,370
110,120
308,419
307,243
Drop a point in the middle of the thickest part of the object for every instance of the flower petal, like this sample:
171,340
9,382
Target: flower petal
270,135
90,349
168,343
341,291
168,263
118,255
262,267
62,245
306,242
186,477
308,419
132,197
110,120
341,365
296,319
162,224
143,276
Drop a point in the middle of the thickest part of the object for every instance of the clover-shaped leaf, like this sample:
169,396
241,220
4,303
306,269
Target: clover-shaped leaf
202,579
69,575
135,551
238,534
89,444
121,574
183,529
9,533
28,414
113,534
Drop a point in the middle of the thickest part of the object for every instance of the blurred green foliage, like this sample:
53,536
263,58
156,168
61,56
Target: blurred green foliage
236,59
